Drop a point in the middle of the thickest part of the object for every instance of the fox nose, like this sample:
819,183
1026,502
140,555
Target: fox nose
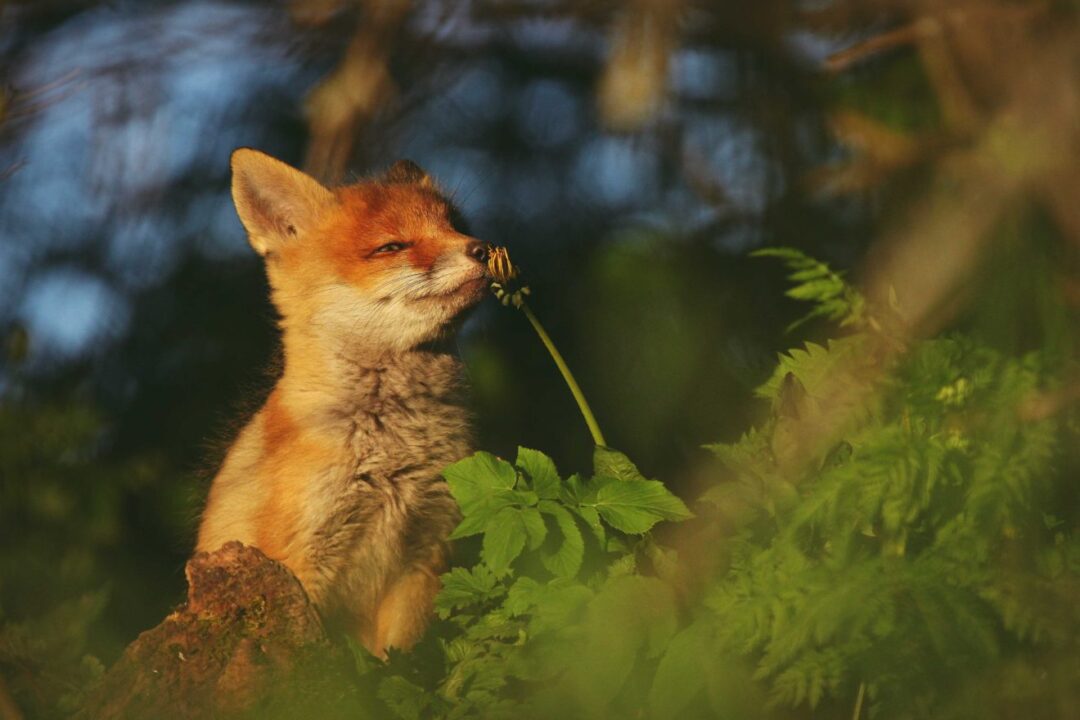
477,251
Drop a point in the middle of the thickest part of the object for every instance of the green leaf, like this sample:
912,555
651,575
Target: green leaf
815,364
534,527
504,539
406,700
612,463
523,595
563,556
482,515
559,605
634,506
629,616
462,587
479,473
576,490
482,485
525,498
363,661
665,561
680,675
818,283
592,519
623,565
471,525
541,471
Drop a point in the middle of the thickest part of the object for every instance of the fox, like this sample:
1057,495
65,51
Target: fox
337,475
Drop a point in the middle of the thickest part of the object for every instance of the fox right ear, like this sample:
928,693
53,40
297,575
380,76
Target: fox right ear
275,202
406,171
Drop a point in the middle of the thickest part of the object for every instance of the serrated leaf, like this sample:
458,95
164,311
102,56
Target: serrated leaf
482,485
406,700
816,282
524,498
618,544
363,661
471,525
566,552
629,616
820,289
592,519
813,364
535,528
624,565
796,258
576,490
634,506
680,675
612,463
479,473
665,561
523,595
504,540
462,587
559,604
541,471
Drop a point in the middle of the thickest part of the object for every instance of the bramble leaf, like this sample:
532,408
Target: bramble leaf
680,675
535,528
565,555
612,463
462,587
406,700
634,506
482,485
522,596
541,471
504,539
592,519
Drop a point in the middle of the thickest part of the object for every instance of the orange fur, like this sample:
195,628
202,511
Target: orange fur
337,476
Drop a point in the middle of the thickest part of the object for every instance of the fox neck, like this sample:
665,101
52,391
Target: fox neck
323,376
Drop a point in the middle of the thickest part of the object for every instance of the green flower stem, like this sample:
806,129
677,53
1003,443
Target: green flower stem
583,404
859,701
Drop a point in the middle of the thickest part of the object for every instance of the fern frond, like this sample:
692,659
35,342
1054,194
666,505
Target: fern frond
833,297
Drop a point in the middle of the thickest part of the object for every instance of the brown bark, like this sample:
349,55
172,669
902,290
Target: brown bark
248,643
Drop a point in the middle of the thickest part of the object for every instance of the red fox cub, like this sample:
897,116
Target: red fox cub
337,475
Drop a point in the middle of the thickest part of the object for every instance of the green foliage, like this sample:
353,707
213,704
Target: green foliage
559,586
885,567
45,657
62,550
816,282
893,537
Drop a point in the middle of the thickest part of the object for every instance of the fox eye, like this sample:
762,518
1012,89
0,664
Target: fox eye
392,247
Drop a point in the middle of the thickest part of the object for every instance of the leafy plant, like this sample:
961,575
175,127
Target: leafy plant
561,581
816,282
880,565
891,545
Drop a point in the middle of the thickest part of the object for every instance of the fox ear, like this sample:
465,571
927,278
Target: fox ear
406,171
275,202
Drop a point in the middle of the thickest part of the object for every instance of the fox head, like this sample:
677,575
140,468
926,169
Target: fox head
377,266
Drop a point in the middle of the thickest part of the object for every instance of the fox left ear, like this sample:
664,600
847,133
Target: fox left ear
275,202
406,171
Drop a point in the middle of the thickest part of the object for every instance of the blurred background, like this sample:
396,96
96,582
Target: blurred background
630,155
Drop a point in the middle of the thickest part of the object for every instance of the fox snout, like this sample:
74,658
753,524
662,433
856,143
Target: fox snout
477,251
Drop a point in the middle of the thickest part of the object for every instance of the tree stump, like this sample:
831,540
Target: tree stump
248,643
